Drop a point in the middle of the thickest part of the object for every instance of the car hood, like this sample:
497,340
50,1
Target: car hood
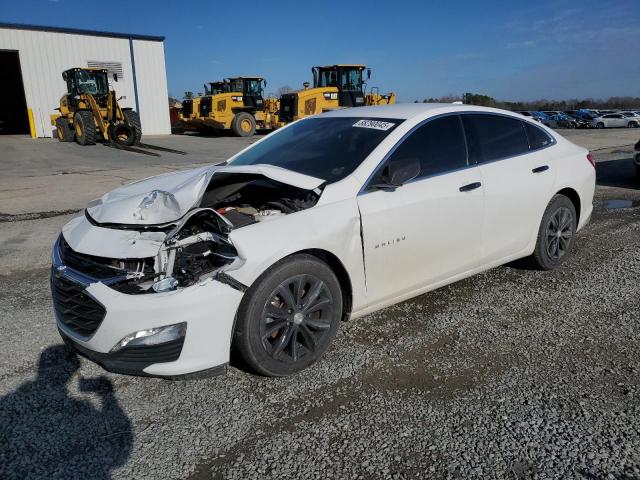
166,198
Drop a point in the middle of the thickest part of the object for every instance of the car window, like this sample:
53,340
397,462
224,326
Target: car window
329,148
439,145
538,138
492,137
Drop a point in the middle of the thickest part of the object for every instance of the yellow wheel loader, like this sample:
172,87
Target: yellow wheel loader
237,104
90,112
334,86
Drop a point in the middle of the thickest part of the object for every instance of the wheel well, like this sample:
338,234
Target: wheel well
572,195
343,277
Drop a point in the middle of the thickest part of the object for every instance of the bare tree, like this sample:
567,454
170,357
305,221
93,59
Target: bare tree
284,89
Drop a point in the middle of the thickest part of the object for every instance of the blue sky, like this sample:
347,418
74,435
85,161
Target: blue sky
511,50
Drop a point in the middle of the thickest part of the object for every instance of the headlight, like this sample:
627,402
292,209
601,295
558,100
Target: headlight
152,336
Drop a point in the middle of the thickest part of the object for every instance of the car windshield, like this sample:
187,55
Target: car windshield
329,148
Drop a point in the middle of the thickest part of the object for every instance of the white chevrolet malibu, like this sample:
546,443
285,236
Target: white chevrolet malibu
330,218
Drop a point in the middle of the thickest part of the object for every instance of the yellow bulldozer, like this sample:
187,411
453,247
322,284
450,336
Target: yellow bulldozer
236,104
90,112
334,86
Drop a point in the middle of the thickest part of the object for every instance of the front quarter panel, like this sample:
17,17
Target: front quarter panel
334,228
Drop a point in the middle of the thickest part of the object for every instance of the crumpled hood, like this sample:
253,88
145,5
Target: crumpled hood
168,197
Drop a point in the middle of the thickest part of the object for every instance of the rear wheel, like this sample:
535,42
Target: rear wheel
84,127
63,130
632,125
243,124
133,119
289,317
556,234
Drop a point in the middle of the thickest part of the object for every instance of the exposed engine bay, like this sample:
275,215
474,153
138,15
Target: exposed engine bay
197,246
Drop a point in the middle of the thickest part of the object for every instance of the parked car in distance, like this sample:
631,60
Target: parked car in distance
562,119
329,218
630,114
540,117
613,120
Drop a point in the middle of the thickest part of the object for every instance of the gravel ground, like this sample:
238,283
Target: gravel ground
510,374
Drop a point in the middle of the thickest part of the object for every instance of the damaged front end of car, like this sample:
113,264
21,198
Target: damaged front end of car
191,245
142,282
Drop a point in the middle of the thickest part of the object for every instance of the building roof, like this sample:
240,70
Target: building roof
79,31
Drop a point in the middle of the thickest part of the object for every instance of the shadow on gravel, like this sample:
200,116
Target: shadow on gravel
47,433
617,173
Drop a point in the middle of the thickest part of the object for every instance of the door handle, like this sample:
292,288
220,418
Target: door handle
471,186
540,169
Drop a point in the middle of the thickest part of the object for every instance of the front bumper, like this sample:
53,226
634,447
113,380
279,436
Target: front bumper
208,309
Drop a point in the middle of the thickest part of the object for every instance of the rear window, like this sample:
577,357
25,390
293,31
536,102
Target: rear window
538,138
329,148
492,137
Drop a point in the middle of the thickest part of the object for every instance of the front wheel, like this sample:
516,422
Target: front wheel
289,317
599,125
243,124
556,234
632,125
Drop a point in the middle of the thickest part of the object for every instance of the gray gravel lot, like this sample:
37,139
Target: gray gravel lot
510,374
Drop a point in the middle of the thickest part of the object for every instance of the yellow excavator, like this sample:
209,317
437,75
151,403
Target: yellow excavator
334,86
237,104
90,112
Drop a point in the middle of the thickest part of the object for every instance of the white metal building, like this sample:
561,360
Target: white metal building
32,59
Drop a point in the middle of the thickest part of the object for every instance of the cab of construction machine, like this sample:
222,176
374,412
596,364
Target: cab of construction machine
85,81
348,79
334,86
251,89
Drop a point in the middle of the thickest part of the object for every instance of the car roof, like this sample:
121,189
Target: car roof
408,110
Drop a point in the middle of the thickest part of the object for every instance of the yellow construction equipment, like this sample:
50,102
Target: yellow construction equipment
237,104
334,86
90,112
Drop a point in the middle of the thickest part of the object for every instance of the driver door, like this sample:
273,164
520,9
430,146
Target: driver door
428,230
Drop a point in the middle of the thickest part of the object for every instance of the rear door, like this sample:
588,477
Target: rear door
516,179
427,230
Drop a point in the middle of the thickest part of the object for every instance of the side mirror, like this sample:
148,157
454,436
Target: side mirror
368,73
265,84
398,172
115,77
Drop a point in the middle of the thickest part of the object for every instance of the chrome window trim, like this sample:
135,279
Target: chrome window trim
363,190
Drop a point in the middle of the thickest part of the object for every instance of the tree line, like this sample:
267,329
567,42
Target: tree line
611,103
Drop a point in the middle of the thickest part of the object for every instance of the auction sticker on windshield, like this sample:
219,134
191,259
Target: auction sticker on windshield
375,124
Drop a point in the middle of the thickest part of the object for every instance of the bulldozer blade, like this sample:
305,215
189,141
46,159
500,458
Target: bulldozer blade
162,149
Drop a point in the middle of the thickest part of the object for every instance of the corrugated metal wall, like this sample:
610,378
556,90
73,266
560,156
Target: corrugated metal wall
45,55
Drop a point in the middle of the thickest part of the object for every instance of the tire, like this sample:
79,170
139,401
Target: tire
632,125
552,249
133,119
599,125
63,130
84,127
638,172
122,134
243,124
291,340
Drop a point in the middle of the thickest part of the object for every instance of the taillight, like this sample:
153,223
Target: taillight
592,159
